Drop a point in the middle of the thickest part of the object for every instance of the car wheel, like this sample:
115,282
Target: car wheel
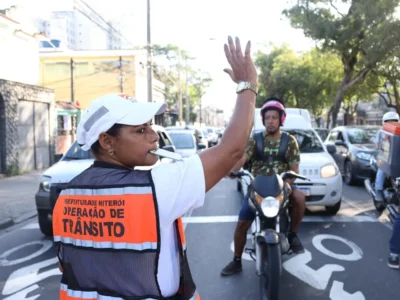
333,210
45,225
348,173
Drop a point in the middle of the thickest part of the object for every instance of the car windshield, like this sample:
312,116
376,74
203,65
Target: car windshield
361,135
323,133
307,139
182,140
205,132
76,152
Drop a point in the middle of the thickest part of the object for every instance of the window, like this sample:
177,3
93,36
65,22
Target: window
183,140
333,136
308,141
361,135
167,142
76,153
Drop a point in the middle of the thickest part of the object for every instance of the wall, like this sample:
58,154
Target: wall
93,77
10,94
18,51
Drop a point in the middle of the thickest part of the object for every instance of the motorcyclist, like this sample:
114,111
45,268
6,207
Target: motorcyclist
390,116
273,116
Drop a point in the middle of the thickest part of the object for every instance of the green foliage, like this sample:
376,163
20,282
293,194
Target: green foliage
363,34
170,61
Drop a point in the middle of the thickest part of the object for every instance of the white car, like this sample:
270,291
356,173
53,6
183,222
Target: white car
316,163
72,163
185,142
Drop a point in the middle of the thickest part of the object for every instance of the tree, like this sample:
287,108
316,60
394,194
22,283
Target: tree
269,86
386,86
308,80
170,61
363,35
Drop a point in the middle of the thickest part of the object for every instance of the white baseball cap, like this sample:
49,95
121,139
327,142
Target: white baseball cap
108,110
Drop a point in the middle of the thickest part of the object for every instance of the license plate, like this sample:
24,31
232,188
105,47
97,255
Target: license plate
306,191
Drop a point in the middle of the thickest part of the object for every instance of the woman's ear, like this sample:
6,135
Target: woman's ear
106,141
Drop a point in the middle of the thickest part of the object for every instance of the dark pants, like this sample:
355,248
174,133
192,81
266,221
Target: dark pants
395,240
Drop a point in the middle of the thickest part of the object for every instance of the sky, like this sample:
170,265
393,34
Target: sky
200,27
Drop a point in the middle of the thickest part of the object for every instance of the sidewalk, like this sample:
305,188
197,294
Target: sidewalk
17,198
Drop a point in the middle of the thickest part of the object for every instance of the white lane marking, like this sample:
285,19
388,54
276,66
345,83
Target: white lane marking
318,279
356,252
232,219
307,219
337,292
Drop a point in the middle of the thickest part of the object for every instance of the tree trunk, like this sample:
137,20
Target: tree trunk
318,121
396,98
347,82
328,122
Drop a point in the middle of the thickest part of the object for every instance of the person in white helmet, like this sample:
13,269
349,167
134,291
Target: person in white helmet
390,116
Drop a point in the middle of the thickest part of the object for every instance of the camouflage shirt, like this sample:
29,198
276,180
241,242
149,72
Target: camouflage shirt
272,148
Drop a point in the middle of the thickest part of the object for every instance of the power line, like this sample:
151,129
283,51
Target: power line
97,14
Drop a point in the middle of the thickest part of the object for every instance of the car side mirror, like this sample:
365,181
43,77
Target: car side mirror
201,146
340,143
169,148
331,149
57,157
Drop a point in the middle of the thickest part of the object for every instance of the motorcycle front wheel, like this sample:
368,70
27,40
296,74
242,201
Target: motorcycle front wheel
269,280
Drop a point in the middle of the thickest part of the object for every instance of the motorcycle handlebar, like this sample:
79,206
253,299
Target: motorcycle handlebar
285,175
291,175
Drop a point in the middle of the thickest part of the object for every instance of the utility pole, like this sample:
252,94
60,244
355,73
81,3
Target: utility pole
180,88
121,76
149,58
72,81
187,93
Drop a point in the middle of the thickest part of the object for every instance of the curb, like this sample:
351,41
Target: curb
8,222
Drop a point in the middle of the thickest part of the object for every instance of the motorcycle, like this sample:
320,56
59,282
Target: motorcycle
269,199
389,188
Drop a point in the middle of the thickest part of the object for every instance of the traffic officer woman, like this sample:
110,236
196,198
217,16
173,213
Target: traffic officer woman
119,231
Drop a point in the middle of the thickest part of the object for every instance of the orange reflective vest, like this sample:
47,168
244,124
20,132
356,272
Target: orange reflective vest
107,227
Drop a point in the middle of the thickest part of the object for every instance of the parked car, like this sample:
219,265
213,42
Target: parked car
202,133
354,149
316,163
322,132
72,163
185,142
212,136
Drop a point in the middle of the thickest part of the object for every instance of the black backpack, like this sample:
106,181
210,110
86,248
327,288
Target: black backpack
260,155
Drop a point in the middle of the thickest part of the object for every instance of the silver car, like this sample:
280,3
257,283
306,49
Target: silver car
185,142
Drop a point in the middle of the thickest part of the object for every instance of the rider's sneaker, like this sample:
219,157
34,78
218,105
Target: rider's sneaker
393,261
232,268
295,244
378,195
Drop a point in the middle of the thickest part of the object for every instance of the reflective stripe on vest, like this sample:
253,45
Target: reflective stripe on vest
68,294
182,233
117,218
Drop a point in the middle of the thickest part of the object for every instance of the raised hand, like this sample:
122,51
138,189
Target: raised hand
242,66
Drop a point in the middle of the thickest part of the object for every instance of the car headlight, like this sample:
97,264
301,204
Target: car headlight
328,171
270,207
364,155
45,183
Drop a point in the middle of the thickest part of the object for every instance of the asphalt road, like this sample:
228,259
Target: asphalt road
345,258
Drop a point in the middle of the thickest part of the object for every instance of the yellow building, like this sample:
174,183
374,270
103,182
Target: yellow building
94,74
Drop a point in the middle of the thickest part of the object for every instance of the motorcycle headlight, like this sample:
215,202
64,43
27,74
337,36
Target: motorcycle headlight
363,155
45,183
328,171
270,207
